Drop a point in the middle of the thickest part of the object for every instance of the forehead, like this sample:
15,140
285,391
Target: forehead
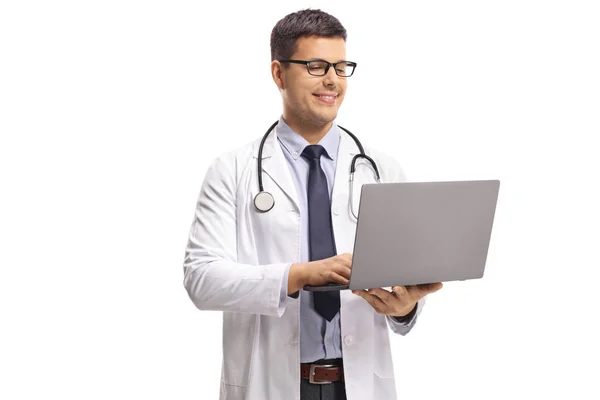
330,49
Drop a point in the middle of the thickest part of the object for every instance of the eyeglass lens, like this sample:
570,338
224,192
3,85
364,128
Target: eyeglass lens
319,67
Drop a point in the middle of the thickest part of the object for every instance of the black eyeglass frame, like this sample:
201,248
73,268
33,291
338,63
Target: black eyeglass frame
329,65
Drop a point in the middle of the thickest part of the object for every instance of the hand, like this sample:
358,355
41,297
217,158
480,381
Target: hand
400,301
335,269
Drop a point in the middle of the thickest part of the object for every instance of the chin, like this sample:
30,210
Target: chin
330,117
326,117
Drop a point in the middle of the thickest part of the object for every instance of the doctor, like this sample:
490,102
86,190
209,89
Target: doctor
251,250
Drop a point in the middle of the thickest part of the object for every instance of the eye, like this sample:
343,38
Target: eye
317,66
345,69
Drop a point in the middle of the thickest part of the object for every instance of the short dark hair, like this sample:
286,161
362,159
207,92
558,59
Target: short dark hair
302,23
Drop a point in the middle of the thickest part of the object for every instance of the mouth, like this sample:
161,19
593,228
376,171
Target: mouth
329,98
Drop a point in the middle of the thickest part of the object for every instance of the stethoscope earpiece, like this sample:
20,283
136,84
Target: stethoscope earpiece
264,201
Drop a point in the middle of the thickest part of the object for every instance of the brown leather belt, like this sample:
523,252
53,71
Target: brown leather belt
322,374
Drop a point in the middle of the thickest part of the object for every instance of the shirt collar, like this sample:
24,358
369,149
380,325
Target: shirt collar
294,144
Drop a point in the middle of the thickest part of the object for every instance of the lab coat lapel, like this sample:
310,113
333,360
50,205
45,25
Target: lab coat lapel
275,166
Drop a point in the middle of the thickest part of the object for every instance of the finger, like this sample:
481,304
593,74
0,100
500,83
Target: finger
399,290
343,271
335,277
431,287
383,294
403,297
361,293
373,300
420,291
377,303
346,259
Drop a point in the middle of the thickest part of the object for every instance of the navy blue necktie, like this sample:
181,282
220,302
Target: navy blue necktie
320,228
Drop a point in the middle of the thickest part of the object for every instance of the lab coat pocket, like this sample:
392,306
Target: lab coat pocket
232,391
384,388
382,369
382,358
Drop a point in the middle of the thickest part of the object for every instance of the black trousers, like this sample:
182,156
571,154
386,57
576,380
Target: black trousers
328,391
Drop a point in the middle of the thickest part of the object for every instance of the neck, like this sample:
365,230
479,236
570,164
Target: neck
312,133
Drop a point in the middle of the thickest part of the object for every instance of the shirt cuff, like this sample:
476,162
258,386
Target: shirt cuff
408,318
284,285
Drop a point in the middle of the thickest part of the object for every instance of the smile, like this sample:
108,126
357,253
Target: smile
327,98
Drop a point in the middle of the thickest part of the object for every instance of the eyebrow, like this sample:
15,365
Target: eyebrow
321,59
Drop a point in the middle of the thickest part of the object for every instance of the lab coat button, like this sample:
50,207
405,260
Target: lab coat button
336,210
349,340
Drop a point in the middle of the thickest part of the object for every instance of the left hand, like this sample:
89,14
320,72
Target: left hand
400,301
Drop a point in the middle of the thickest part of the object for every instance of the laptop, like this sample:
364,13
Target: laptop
411,233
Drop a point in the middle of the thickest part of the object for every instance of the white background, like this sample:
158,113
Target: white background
110,113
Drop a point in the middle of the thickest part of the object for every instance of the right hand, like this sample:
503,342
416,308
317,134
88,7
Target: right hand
334,269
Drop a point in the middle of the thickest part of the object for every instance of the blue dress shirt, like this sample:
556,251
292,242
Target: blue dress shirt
319,338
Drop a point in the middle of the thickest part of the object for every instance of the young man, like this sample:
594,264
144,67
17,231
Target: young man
251,250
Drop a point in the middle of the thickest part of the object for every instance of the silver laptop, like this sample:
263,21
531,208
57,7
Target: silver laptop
421,232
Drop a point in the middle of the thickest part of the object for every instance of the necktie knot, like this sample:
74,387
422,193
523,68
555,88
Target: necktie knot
313,151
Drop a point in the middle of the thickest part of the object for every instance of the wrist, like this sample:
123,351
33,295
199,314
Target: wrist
297,277
408,315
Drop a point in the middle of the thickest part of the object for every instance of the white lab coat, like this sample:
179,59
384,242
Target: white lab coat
235,263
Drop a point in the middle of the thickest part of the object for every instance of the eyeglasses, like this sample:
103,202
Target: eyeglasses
321,67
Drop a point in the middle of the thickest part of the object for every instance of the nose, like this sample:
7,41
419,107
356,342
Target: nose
330,78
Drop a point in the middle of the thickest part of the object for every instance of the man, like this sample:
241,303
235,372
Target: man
252,264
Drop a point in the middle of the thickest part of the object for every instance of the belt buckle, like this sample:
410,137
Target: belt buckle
311,374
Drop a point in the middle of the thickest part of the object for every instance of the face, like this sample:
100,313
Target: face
311,101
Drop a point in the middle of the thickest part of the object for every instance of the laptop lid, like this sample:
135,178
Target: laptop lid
422,232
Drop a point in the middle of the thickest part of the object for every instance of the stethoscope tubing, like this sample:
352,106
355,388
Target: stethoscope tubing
264,201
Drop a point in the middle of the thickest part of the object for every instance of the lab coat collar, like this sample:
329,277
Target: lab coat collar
347,146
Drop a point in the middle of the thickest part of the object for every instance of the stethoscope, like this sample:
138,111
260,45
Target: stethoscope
264,201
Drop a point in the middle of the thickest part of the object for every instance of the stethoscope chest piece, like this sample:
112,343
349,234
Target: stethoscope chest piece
264,201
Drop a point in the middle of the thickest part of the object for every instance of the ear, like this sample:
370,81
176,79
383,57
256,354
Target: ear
277,74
